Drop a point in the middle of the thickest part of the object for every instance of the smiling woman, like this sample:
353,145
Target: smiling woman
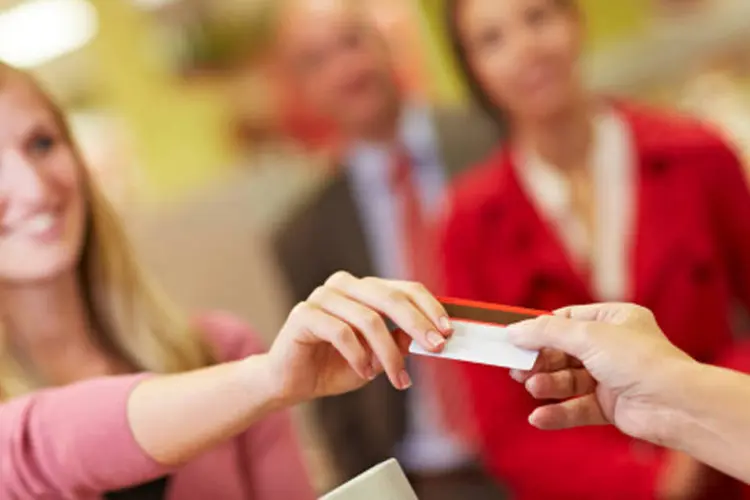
75,305
47,228
91,355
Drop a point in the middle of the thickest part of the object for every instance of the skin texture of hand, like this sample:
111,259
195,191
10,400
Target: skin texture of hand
609,363
338,340
334,342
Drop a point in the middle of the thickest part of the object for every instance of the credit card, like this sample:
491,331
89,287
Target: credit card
479,335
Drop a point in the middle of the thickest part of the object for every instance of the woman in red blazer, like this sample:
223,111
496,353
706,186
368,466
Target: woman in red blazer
589,200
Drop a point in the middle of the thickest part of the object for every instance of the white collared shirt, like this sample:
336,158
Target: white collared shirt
612,162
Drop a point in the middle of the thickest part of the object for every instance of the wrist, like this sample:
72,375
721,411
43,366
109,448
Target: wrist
261,377
672,398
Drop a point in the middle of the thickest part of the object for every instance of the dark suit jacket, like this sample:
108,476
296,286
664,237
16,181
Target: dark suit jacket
324,236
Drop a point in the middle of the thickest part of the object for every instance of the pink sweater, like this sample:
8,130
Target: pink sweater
75,443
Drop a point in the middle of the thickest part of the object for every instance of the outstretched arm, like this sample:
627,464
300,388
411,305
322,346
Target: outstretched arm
612,364
110,433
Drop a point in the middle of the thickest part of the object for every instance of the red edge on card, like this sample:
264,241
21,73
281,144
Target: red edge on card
493,307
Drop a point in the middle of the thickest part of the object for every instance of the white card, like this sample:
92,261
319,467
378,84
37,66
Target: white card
481,343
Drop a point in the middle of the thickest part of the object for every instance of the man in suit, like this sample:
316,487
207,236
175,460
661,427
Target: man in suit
372,218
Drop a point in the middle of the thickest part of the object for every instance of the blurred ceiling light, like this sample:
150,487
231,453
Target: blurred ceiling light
38,31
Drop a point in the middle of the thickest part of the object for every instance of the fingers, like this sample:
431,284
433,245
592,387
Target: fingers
549,360
583,411
385,298
612,313
372,327
561,384
572,337
427,302
323,326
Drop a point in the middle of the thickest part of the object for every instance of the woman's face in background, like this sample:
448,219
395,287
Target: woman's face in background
524,53
42,213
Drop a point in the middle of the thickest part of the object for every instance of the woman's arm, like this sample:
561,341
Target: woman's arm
174,418
712,417
269,451
112,433
72,440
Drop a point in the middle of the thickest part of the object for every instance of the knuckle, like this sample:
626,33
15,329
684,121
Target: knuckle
395,296
416,287
372,320
342,333
318,294
339,278
370,280
644,314
300,309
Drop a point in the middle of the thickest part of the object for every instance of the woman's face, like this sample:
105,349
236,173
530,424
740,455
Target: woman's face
42,213
523,53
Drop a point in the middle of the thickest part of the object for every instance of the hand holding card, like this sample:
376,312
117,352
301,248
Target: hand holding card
479,335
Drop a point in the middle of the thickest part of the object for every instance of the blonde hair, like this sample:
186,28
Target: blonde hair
133,319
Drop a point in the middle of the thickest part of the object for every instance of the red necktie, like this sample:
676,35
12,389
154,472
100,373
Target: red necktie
416,239
420,258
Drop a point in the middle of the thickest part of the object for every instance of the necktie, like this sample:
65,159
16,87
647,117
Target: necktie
416,238
442,379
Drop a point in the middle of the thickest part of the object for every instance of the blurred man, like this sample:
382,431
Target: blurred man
374,218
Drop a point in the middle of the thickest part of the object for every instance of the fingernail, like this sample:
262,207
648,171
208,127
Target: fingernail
445,324
435,339
404,380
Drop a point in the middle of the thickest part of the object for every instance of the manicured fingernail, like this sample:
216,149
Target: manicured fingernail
435,339
404,380
445,325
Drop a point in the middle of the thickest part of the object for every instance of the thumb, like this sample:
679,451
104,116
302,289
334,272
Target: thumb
614,313
573,337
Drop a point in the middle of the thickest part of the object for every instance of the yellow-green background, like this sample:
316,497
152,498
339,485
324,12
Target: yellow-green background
180,130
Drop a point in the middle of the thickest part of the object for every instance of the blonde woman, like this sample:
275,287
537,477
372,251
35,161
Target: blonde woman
105,393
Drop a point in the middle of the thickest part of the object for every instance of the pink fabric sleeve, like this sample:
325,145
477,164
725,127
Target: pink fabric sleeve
71,442
270,450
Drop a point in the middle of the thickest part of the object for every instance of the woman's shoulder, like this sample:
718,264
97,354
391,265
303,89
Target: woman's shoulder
482,181
669,129
231,337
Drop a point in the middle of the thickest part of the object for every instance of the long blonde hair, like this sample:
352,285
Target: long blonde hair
133,319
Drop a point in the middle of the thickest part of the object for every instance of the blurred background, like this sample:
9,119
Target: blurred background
176,109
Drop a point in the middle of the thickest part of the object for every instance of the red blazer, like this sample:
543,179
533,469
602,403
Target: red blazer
690,258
